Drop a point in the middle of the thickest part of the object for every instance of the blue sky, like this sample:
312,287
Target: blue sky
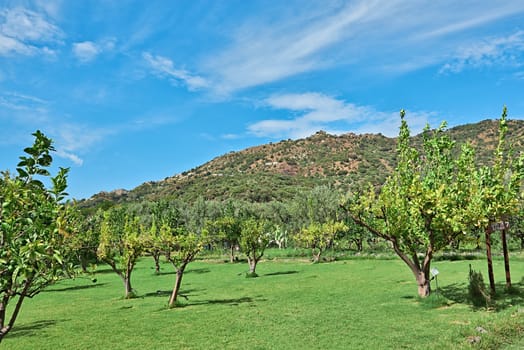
136,91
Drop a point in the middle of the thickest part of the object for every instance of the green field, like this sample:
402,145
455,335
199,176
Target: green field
352,304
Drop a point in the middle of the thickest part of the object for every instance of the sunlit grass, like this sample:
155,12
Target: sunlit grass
352,304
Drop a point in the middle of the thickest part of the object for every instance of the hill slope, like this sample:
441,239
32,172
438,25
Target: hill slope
277,171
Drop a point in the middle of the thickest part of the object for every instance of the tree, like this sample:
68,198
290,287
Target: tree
82,238
180,248
497,199
254,239
226,229
319,237
161,212
121,244
424,204
32,217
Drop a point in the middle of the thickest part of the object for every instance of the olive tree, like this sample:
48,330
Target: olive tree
32,223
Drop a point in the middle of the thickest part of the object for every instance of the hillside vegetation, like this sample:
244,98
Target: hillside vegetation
278,171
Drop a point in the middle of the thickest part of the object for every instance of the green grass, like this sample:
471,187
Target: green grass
351,304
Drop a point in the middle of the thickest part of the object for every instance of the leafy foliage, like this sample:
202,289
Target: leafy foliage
424,205
121,244
32,227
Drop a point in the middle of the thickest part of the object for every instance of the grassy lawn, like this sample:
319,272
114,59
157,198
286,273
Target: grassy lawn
353,304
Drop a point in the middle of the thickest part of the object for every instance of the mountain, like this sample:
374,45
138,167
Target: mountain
277,171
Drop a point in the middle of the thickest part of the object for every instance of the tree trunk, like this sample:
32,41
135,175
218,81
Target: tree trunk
6,328
127,286
316,257
178,283
252,265
82,259
421,274
156,257
424,287
360,246
232,253
490,260
506,258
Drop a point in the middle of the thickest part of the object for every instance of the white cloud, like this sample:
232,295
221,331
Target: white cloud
12,46
500,51
396,36
165,67
24,108
26,32
71,156
87,51
73,139
264,53
320,112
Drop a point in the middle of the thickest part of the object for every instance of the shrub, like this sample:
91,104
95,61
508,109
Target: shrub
478,293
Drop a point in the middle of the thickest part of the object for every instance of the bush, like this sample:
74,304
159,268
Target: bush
478,293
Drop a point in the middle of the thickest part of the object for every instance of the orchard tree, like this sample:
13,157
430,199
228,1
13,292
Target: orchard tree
32,223
180,247
424,204
254,238
226,229
82,239
498,198
121,244
319,237
162,212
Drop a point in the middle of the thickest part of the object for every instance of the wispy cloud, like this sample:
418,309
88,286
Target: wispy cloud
72,139
500,51
26,32
87,51
263,52
23,108
311,112
164,67
397,35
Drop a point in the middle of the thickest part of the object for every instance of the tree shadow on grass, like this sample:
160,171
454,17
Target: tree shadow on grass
31,329
173,272
164,293
291,272
504,298
232,302
65,289
104,270
198,271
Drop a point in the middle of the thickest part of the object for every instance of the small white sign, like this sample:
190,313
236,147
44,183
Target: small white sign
499,226
434,271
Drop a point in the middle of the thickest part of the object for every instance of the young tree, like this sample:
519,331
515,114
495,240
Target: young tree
254,239
83,237
319,237
180,247
121,244
226,229
424,205
497,199
31,225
